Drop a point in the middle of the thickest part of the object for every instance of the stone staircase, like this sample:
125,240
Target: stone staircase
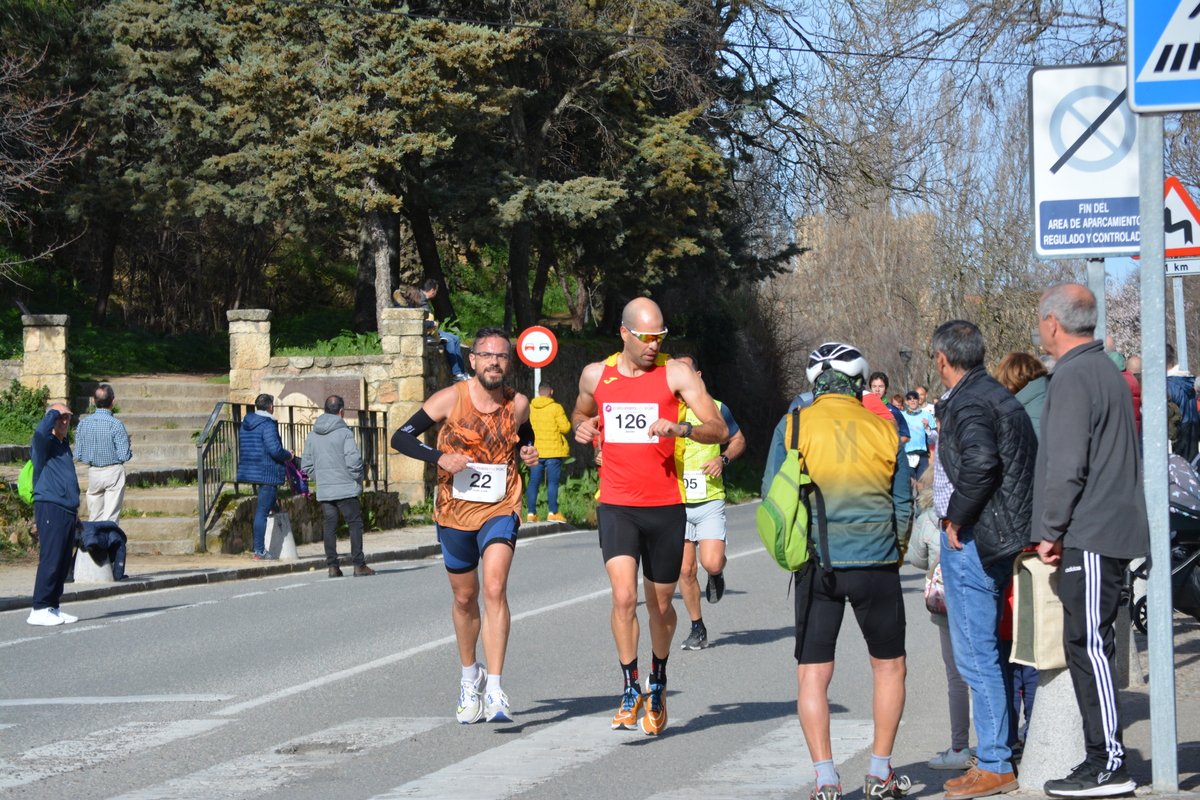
163,414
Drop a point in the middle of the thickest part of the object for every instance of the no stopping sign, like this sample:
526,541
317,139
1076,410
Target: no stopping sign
537,346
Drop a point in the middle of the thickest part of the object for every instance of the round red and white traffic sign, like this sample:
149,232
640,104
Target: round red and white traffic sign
537,346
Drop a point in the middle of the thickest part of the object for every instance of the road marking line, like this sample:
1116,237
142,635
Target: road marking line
247,594
9,725
517,766
777,765
137,698
274,768
76,754
11,642
387,660
291,586
403,655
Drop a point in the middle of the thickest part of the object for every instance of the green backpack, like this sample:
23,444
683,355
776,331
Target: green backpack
784,517
25,482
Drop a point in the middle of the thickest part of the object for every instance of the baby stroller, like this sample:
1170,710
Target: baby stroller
1185,547
1185,577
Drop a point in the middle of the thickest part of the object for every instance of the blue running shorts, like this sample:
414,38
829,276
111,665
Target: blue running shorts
461,550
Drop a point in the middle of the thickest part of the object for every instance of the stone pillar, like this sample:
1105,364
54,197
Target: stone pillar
1054,745
403,339
46,355
249,351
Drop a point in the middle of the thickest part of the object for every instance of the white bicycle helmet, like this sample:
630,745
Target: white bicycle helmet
837,356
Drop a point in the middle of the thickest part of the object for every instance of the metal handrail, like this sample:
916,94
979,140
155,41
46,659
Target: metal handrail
217,451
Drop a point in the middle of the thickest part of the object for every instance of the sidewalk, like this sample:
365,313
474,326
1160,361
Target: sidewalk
148,572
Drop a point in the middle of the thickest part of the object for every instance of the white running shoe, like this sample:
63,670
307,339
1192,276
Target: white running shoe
497,707
470,699
64,616
45,616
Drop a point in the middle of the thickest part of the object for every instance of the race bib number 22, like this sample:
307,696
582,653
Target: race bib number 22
628,422
481,483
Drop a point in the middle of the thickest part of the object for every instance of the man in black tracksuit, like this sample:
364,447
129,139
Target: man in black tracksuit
1089,517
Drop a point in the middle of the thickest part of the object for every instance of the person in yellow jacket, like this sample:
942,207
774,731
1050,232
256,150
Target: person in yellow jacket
549,422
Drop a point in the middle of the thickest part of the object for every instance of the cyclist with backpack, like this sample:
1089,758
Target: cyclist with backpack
850,454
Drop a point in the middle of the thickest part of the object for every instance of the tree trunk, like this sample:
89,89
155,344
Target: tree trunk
364,283
547,259
108,258
427,250
578,304
519,245
377,233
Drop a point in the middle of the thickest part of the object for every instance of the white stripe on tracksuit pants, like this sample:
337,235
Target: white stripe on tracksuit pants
1090,589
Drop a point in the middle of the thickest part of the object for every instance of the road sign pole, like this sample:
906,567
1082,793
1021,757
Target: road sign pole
537,380
1154,438
1180,324
1096,282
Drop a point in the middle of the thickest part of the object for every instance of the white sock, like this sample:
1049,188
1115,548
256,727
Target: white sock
471,673
493,683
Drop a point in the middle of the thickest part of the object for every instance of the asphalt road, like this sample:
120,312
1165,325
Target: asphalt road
303,687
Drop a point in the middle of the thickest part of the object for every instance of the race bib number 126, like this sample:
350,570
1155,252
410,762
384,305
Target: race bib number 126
628,422
481,483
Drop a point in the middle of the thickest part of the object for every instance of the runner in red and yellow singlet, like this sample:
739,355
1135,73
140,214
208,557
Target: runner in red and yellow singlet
631,401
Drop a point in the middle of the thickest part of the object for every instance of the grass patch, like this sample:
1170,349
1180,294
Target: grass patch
743,481
344,344
576,497
219,379
103,351
21,409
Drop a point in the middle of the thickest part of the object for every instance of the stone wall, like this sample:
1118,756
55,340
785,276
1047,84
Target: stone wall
234,530
397,382
45,362
10,371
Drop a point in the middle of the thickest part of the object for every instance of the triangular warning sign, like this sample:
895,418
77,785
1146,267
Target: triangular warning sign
1176,55
1181,219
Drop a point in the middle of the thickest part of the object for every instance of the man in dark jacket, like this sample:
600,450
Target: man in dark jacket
55,511
1089,517
983,487
261,457
331,458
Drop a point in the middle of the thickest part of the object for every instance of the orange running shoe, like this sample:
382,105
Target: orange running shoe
655,720
627,715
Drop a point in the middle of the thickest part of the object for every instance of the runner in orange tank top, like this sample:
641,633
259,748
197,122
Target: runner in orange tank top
477,506
631,401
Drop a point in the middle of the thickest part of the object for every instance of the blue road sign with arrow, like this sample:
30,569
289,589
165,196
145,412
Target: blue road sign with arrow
1164,49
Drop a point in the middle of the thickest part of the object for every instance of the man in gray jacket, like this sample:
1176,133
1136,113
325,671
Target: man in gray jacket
331,458
1089,518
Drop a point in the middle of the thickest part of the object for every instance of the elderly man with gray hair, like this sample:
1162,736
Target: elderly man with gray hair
1089,519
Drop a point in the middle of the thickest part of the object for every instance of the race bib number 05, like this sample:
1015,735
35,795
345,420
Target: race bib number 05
481,483
628,422
695,485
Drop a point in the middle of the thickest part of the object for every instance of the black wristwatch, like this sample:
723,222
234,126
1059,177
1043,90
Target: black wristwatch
688,433
724,459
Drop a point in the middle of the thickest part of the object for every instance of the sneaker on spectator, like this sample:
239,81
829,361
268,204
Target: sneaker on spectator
44,616
952,759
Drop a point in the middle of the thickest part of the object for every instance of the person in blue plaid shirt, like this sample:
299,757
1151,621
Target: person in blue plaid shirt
102,443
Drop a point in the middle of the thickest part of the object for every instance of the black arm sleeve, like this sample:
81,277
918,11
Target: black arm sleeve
405,439
525,434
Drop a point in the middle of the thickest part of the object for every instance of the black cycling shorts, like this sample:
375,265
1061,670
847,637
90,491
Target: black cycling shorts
875,595
652,534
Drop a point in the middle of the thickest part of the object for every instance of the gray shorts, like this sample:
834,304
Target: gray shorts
706,520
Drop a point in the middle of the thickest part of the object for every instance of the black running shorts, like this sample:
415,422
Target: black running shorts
875,595
652,534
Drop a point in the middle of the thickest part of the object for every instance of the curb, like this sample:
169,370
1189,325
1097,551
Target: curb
304,564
